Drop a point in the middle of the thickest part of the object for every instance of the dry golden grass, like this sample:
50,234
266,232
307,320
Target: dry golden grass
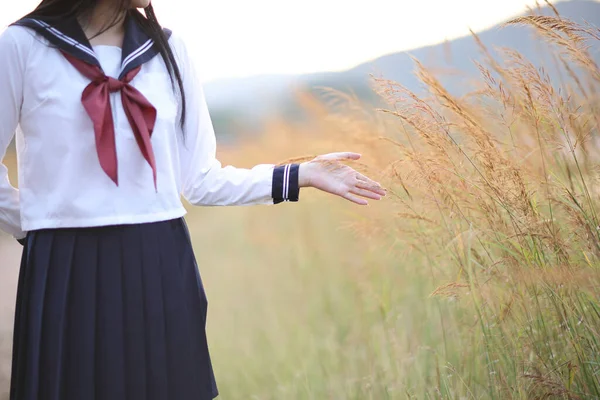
478,277
493,209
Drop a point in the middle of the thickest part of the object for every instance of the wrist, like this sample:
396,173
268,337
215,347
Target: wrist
304,175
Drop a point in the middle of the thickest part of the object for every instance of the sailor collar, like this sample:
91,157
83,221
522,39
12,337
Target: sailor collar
138,48
68,36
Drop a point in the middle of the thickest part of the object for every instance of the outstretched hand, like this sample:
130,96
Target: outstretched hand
327,173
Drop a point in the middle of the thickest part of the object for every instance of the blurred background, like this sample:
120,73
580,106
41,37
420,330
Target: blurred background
478,276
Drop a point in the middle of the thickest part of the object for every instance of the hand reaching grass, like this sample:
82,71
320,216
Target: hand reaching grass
329,174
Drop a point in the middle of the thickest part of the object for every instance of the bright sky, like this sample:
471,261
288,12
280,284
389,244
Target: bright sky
236,38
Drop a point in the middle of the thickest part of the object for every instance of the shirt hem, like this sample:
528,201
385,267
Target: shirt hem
103,221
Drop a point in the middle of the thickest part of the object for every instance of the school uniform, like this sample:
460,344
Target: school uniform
110,302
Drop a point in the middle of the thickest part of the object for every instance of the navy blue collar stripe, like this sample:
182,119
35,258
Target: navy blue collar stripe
65,38
147,46
67,35
57,37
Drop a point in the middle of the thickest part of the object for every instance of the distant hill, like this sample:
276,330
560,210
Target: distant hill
240,101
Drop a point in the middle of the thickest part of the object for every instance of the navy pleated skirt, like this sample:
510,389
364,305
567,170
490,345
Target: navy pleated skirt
111,313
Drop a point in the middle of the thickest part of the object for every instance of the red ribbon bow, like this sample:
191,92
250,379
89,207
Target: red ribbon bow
140,113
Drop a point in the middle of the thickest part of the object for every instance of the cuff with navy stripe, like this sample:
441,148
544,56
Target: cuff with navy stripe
285,183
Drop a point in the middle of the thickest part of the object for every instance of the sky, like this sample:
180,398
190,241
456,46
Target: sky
239,38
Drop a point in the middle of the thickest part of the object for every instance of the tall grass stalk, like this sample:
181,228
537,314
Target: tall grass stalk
477,278
507,178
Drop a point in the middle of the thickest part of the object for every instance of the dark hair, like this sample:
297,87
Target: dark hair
65,9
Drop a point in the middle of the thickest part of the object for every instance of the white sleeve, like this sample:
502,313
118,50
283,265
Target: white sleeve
12,62
205,180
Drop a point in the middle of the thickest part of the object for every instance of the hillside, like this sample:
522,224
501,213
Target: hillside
239,102
456,57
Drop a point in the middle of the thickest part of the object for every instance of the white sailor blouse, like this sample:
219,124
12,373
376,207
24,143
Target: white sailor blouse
100,140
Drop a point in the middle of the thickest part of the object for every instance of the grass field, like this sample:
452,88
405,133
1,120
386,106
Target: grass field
477,278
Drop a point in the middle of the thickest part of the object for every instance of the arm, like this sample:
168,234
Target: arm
205,180
11,96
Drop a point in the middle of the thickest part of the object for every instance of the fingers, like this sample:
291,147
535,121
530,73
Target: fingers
350,156
355,199
340,156
363,178
369,194
369,184
371,187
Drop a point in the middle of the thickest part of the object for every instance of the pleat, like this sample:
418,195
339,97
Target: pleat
113,313
41,254
156,349
181,358
136,368
54,319
198,307
20,331
81,330
110,343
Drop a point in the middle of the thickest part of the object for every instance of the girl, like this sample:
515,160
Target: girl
113,129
